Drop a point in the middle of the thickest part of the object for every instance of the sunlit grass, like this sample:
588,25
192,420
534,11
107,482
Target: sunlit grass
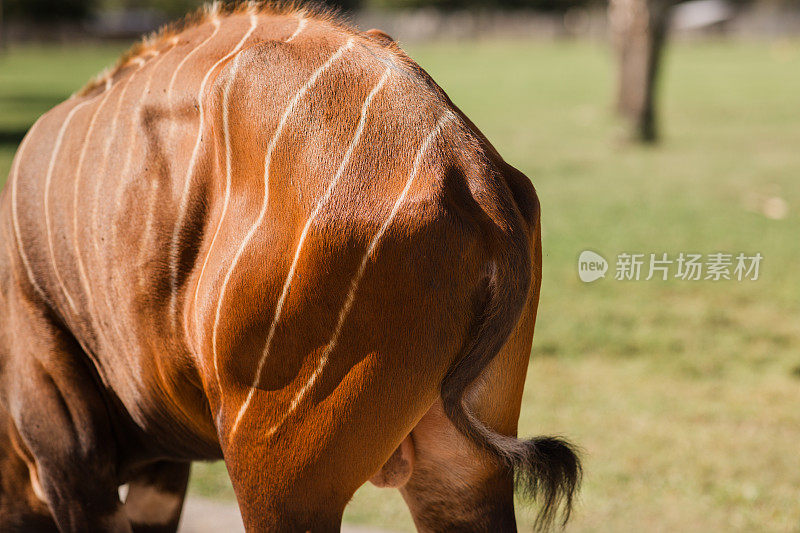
685,395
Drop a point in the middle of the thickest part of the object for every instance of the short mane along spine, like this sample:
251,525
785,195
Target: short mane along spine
217,10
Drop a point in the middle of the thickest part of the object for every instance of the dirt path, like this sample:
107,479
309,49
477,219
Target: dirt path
208,516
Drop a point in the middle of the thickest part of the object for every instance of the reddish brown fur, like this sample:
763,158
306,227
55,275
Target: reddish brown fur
391,310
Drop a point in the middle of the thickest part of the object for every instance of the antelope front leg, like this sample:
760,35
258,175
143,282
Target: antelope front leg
63,426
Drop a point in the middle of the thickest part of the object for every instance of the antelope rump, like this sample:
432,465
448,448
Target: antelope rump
267,238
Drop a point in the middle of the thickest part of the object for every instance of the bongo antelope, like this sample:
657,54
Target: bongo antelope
267,238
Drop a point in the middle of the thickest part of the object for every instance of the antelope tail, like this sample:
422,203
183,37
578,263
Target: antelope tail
546,469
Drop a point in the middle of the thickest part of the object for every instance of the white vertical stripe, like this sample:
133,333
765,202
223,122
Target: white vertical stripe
151,198
300,25
321,201
48,180
136,113
228,173
15,215
174,295
133,118
215,22
350,296
75,190
173,249
102,173
117,317
104,164
252,7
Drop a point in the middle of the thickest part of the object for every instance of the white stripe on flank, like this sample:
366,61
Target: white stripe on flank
136,113
311,218
348,304
271,147
152,197
108,273
154,189
75,191
48,180
252,7
15,215
215,22
228,176
133,122
106,151
300,25
176,233
173,293
99,182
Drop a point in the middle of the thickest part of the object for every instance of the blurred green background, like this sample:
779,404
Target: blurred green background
685,395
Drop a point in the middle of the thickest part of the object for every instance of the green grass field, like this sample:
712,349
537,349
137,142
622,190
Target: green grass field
685,395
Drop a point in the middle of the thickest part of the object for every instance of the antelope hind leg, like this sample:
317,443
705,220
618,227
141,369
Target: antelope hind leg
155,497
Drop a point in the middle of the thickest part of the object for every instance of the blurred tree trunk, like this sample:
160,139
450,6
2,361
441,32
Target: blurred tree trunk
2,29
639,31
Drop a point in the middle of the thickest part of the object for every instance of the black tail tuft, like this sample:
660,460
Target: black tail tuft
549,472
